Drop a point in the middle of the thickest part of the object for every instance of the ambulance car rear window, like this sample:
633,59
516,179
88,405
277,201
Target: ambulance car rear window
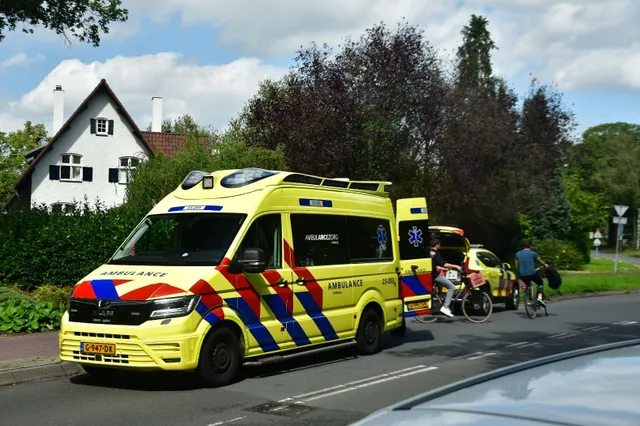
193,239
414,239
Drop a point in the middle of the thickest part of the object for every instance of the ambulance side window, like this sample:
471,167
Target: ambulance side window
414,239
265,233
320,239
369,240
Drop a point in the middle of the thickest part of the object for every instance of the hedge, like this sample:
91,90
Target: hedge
38,247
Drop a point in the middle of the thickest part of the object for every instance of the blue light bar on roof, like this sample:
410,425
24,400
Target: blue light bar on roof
419,210
193,178
245,177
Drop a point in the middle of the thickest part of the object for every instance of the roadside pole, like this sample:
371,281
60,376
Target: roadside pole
620,221
596,239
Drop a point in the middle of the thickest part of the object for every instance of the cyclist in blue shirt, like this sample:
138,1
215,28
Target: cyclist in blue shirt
526,264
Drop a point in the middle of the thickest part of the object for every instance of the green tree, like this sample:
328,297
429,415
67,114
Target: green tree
367,111
474,54
608,163
82,19
13,147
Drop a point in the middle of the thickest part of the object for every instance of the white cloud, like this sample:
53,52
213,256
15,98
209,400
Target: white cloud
559,38
212,94
21,60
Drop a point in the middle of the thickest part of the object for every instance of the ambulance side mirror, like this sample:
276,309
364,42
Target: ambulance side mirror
253,261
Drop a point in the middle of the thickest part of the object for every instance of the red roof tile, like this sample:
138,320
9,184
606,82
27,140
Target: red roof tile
168,143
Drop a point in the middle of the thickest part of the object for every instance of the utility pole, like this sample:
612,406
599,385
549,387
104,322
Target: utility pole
620,221
638,229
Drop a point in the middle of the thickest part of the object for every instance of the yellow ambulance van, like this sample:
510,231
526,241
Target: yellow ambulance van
252,266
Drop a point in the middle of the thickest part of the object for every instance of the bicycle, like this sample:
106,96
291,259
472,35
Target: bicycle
531,302
469,295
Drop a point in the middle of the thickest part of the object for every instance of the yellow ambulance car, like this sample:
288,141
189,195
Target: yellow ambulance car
252,266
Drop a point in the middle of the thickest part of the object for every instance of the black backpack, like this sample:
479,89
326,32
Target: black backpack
553,278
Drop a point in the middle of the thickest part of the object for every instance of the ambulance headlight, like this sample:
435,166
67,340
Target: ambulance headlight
173,307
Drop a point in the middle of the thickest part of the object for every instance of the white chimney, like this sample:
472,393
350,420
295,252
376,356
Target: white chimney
58,109
156,114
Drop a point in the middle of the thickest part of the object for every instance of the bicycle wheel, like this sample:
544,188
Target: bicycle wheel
436,304
530,302
477,301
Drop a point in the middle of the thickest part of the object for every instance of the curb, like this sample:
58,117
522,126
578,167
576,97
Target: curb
49,370
562,298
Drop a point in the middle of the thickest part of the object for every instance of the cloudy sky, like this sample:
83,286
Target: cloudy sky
206,57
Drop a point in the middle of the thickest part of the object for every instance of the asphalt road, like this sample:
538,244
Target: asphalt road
333,389
612,256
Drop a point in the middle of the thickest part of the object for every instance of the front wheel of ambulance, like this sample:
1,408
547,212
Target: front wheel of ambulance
220,358
369,332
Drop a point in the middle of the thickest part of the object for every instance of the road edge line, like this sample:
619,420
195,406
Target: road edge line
36,373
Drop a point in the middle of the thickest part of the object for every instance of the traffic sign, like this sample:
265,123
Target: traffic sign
597,242
620,220
597,234
621,210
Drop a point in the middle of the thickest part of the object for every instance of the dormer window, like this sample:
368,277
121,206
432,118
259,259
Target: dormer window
102,126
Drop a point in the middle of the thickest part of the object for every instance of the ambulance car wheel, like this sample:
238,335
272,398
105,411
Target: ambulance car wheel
220,357
513,302
369,332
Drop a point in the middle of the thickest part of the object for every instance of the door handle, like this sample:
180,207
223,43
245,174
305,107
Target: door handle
301,281
282,282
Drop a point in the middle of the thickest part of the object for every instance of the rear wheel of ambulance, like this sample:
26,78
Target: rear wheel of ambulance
220,358
369,332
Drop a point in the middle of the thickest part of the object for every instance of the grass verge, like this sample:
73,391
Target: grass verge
606,266
576,284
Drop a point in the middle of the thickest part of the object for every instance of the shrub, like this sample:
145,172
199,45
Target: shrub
58,296
17,316
38,247
562,255
12,292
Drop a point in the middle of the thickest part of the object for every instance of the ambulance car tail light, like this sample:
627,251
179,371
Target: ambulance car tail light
207,182
193,178
173,307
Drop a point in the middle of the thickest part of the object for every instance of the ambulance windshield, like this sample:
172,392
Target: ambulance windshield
194,239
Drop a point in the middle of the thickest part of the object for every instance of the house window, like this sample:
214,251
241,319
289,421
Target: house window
101,126
61,207
127,165
71,168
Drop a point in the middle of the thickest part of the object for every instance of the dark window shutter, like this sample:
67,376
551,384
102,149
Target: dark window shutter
65,172
54,172
93,126
87,174
113,175
110,131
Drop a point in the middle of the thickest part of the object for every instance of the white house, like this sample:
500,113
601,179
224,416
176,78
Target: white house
91,153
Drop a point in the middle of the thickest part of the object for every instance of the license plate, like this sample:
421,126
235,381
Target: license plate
452,275
418,305
98,348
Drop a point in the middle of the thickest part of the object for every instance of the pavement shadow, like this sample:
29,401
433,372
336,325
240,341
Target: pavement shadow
180,381
141,381
467,344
